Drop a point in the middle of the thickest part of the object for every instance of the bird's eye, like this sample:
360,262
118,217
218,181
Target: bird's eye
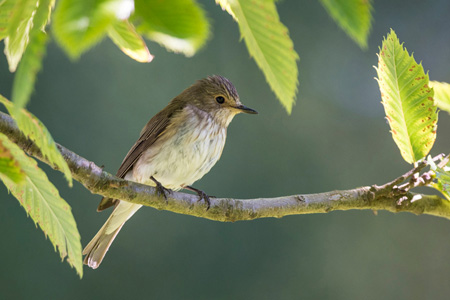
220,99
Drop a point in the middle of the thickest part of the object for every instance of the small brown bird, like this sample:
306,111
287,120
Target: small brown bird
177,147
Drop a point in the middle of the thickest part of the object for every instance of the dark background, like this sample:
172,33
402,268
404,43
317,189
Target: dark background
336,138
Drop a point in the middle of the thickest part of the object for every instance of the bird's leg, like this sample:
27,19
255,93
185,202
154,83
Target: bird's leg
201,194
160,189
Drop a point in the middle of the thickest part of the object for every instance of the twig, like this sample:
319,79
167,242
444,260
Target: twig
227,209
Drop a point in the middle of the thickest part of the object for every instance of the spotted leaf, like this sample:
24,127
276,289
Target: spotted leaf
407,99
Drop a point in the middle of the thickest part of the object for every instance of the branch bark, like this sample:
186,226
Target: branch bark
100,182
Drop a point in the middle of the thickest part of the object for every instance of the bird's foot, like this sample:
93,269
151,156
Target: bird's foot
202,196
160,189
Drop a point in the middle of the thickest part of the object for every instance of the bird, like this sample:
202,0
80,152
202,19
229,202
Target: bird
176,148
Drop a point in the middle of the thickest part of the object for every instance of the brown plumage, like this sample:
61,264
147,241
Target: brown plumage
177,147
149,134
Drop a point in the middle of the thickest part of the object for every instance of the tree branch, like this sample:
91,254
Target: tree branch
386,197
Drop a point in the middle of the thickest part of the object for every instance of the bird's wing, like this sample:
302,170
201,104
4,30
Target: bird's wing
149,134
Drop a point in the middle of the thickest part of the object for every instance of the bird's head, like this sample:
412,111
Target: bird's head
217,96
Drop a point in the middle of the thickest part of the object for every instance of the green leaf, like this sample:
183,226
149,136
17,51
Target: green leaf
79,25
42,202
407,99
38,133
19,27
353,16
43,14
441,94
6,9
9,166
124,35
179,25
268,41
28,68
442,177
31,62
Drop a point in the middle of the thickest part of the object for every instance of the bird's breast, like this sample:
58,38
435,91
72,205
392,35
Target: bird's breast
183,154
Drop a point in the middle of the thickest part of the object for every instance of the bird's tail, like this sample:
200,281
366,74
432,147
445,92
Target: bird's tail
96,249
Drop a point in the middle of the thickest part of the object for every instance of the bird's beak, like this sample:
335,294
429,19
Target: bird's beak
246,109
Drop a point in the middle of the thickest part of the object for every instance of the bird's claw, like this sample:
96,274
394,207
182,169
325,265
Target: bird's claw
204,196
161,191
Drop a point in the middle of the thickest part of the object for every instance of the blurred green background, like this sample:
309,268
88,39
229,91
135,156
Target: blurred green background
336,138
